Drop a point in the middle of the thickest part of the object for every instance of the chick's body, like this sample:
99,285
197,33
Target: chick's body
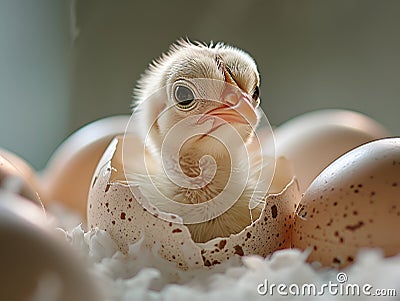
214,88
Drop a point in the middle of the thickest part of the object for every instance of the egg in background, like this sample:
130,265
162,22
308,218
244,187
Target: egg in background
21,165
313,140
67,175
16,175
353,204
36,264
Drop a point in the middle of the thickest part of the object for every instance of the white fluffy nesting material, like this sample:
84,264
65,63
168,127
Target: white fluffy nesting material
142,275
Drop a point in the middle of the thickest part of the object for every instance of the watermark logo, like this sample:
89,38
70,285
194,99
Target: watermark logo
340,287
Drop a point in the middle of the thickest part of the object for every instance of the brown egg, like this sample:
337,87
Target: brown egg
113,207
35,264
18,180
352,204
23,167
68,173
315,139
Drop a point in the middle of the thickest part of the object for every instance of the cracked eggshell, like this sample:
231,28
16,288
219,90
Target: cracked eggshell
66,178
352,204
113,208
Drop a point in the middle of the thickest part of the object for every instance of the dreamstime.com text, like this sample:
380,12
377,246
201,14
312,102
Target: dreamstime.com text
339,288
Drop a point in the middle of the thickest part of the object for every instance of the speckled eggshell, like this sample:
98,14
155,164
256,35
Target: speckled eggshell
354,203
112,207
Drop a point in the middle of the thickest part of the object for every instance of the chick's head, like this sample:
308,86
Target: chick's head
210,91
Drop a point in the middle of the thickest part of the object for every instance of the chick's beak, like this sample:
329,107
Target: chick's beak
236,107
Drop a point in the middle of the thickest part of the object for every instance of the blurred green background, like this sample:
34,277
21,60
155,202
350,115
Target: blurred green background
66,63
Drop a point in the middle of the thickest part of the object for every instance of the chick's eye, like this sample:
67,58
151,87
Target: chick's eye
256,93
184,96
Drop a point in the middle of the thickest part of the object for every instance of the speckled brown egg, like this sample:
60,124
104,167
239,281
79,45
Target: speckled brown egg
353,204
113,207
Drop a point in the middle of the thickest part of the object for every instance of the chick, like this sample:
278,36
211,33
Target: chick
195,109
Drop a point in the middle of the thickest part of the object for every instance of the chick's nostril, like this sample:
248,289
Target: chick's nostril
231,95
231,99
